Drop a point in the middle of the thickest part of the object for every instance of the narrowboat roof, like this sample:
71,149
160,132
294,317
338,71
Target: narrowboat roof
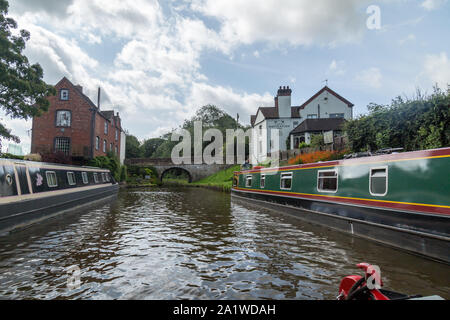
49,164
403,156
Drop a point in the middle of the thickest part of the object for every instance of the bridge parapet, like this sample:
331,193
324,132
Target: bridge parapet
162,165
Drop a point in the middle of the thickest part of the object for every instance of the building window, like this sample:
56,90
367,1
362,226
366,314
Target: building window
378,181
117,134
95,177
62,144
106,127
97,143
336,115
104,146
84,176
111,147
63,118
52,181
64,94
312,116
262,181
286,181
260,130
248,181
71,178
327,181
117,150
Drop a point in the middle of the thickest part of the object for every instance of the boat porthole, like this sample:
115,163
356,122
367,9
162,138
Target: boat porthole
9,179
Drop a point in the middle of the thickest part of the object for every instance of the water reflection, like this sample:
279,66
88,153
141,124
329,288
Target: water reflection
195,244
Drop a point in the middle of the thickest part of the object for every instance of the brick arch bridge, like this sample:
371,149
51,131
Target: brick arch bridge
196,172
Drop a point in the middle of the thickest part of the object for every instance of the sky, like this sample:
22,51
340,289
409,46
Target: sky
157,62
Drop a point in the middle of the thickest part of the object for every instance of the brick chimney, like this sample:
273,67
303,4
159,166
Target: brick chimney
283,102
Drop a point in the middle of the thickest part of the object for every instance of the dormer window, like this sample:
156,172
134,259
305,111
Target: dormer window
64,94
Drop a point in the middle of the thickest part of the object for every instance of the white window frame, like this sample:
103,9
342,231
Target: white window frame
66,98
74,182
337,180
370,181
281,179
53,173
246,181
96,177
262,177
108,178
103,177
106,127
85,178
104,146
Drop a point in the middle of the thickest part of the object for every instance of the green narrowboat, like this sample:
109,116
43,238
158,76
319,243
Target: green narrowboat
401,199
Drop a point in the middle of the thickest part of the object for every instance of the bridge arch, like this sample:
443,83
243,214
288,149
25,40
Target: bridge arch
166,170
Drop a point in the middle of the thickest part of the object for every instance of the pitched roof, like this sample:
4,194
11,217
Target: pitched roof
109,114
330,91
79,91
325,124
269,112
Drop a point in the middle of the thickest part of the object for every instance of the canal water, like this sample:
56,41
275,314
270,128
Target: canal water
189,243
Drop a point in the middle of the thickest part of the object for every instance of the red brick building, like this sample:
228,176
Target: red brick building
75,126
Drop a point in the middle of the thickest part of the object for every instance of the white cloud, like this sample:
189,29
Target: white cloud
298,22
226,98
410,38
437,69
432,4
371,77
337,68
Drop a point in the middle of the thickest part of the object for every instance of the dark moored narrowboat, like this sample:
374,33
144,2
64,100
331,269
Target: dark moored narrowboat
402,199
32,191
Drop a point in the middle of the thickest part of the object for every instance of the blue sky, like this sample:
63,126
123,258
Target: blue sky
157,62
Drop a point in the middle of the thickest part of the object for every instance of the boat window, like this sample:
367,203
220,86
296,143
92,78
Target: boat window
262,182
52,181
85,177
327,181
9,179
248,181
95,177
71,178
378,181
286,181
108,178
103,177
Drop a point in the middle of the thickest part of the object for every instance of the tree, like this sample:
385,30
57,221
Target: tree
422,122
133,147
23,93
150,146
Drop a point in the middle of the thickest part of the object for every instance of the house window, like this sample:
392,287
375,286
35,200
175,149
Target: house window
95,177
84,176
248,181
104,146
117,134
312,116
106,127
327,181
62,144
336,115
378,181
286,181
64,94
117,150
63,118
262,181
111,147
71,178
97,143
52,181
260,130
